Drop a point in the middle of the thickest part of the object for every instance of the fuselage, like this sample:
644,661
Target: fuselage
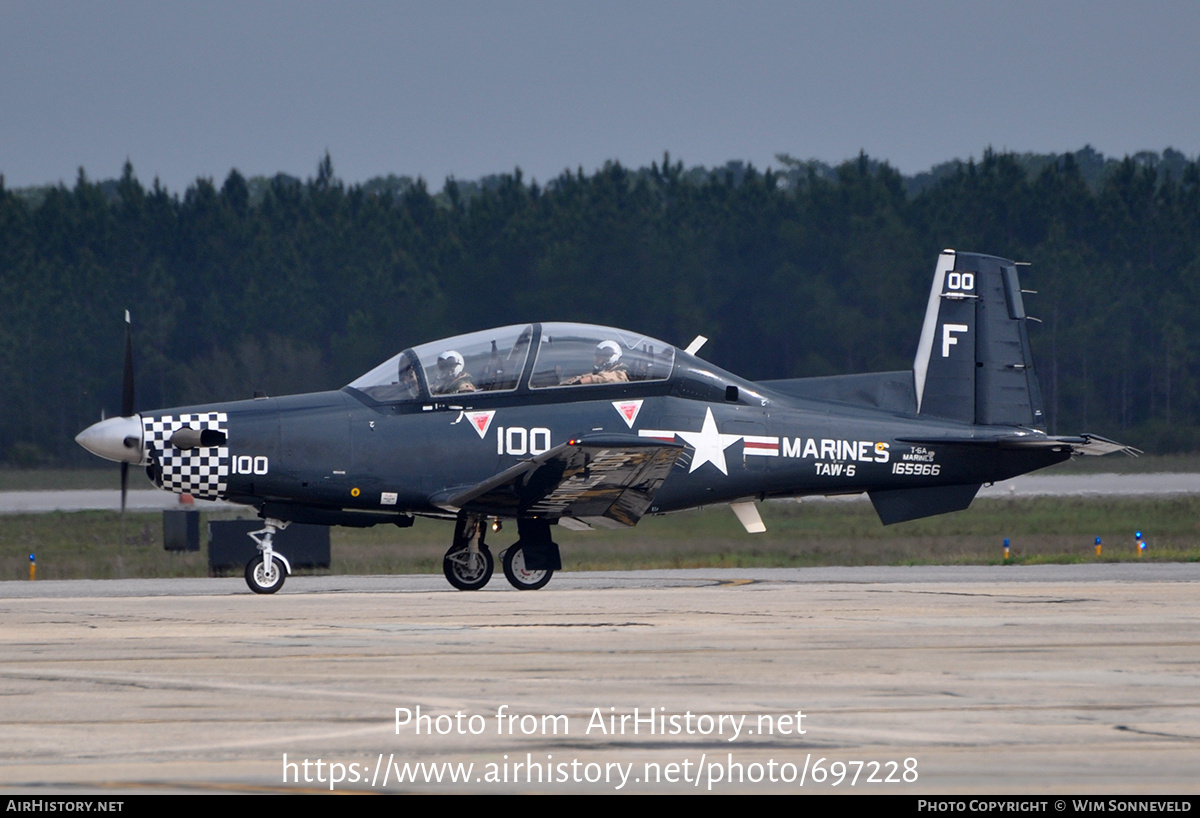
588,426
343,451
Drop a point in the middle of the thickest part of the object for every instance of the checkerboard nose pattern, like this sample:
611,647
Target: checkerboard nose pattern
202,471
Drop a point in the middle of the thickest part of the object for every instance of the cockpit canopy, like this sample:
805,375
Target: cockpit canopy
566,355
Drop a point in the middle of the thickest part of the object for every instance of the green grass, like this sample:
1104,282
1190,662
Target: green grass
1060,530
101,477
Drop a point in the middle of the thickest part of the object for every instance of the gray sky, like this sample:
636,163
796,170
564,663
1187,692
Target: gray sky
468,88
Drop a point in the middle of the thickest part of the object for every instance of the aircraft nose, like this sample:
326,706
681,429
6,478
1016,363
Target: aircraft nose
118,439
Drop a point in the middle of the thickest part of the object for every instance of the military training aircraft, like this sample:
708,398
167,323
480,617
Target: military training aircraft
582,426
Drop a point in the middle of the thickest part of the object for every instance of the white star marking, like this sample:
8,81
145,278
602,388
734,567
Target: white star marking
710,445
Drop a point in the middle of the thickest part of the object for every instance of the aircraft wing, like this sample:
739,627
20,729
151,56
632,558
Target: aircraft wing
605,480
1077,444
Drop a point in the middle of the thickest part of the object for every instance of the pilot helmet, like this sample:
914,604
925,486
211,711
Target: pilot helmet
607,354
450,364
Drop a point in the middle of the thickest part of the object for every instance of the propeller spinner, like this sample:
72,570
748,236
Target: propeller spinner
118,439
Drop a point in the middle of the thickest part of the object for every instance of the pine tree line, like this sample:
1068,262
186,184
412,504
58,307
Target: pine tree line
282,285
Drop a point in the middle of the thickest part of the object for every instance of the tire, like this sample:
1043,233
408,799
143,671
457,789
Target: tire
520,577
465,573
257,579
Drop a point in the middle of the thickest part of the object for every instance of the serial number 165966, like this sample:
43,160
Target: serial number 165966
916,468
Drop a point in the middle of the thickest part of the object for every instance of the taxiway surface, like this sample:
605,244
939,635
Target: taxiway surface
1020,679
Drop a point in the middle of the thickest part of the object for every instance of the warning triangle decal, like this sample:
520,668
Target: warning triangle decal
480,421
629,410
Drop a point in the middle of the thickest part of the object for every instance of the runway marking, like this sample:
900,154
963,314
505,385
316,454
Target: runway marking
565,625
1177,736
1008,599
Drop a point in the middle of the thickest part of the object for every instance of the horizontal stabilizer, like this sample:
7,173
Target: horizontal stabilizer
902,505
1079,444
609,479
1076,444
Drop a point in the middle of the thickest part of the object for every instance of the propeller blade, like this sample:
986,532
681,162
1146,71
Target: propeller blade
126,410
127,384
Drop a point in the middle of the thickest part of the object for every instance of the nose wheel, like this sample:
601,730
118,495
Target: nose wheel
264,579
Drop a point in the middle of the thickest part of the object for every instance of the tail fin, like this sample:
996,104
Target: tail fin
973,362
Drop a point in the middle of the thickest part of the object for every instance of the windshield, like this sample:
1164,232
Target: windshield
487,361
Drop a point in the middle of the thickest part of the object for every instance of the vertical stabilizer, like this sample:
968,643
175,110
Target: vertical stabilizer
973,361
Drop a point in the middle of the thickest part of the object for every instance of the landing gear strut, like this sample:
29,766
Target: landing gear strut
468,565
266,572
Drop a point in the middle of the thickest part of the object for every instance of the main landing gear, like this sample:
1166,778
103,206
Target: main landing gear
519,576
266,572
528,564
468,565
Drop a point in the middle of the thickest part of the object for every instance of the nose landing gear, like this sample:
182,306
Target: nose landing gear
266,572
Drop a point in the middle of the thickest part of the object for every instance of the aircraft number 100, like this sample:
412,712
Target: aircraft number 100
244,464
519,440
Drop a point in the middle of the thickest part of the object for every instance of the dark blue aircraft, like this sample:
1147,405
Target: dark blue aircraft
583,426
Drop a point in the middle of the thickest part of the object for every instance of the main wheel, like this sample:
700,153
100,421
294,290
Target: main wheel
520,577
467,571
262,582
